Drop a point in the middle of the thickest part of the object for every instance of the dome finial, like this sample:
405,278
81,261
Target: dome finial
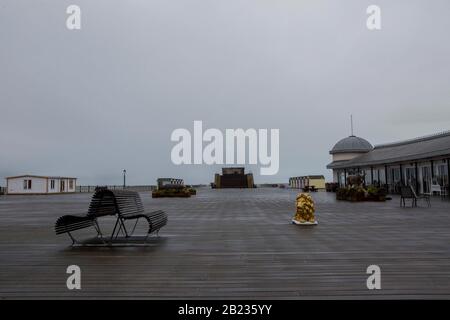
351,125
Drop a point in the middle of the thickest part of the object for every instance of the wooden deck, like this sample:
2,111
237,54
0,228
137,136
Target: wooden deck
232,244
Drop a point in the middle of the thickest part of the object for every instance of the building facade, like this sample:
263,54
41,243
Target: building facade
423,163
318,181
31,184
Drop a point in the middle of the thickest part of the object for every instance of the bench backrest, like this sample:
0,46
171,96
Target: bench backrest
128,202
407,192
413,192
102,203
110,202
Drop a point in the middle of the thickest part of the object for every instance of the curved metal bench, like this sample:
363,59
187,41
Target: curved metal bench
125,205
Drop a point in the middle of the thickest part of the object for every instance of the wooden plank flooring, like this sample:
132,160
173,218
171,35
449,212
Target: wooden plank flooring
232,244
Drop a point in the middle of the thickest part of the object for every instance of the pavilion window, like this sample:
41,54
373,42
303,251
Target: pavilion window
375,173
395,175
442,175
367,176
382,176
410,176
426,179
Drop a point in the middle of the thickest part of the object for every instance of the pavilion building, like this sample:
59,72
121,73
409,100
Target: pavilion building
421,162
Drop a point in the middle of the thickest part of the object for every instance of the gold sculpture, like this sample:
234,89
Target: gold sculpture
304,214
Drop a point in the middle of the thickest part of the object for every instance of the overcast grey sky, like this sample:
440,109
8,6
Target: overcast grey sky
91,102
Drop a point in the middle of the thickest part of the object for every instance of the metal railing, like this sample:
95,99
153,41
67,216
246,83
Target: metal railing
86,189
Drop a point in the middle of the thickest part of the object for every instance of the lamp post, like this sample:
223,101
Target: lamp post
124,177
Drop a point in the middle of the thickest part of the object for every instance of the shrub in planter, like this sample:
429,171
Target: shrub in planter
376,194
356,194
382,194
171,193
341,193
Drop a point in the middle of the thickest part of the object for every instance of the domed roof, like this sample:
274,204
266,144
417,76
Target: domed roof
351,144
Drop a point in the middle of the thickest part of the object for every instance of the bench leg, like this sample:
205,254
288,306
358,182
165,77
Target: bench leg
114,231
74,241
134,228
402,202
119,231
122,229
99,232
97,228
148,234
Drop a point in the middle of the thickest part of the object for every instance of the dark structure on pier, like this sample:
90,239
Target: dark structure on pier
233,178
